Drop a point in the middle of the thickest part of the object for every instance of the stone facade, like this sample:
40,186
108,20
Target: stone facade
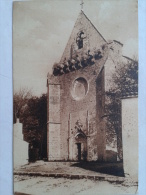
76,127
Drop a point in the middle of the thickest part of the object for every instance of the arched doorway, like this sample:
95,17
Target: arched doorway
81,144
79,151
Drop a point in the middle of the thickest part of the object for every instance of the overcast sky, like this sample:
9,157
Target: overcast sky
41,30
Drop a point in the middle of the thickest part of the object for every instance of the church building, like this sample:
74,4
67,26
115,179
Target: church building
77,117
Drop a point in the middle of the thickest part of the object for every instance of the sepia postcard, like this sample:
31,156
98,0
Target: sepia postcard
75,100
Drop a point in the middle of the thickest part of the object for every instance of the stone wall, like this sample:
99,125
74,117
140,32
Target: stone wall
130,137
81,95
78,109
73,109
20,146
53,132
93,39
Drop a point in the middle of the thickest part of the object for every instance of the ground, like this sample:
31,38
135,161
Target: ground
87,168
60,178
63,186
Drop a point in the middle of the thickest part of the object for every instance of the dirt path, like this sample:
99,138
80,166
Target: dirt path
62,186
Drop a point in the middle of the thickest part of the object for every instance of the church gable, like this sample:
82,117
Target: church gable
84,37
76,92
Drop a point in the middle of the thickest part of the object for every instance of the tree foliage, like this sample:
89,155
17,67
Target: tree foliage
20,100
125,81
126,78
32,112
35,123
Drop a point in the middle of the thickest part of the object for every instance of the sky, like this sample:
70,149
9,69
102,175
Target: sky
41,30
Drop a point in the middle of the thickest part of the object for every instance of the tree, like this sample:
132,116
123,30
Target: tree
126,78
20,100
32,112
125,81
34,119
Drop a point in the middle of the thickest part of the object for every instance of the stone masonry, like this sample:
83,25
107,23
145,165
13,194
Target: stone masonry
76,128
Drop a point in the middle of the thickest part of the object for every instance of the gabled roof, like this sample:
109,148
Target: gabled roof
93,37
93,26
128,58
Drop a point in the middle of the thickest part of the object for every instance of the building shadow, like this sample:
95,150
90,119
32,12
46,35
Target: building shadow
115,169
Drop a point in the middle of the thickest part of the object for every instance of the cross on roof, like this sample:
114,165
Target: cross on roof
82,3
